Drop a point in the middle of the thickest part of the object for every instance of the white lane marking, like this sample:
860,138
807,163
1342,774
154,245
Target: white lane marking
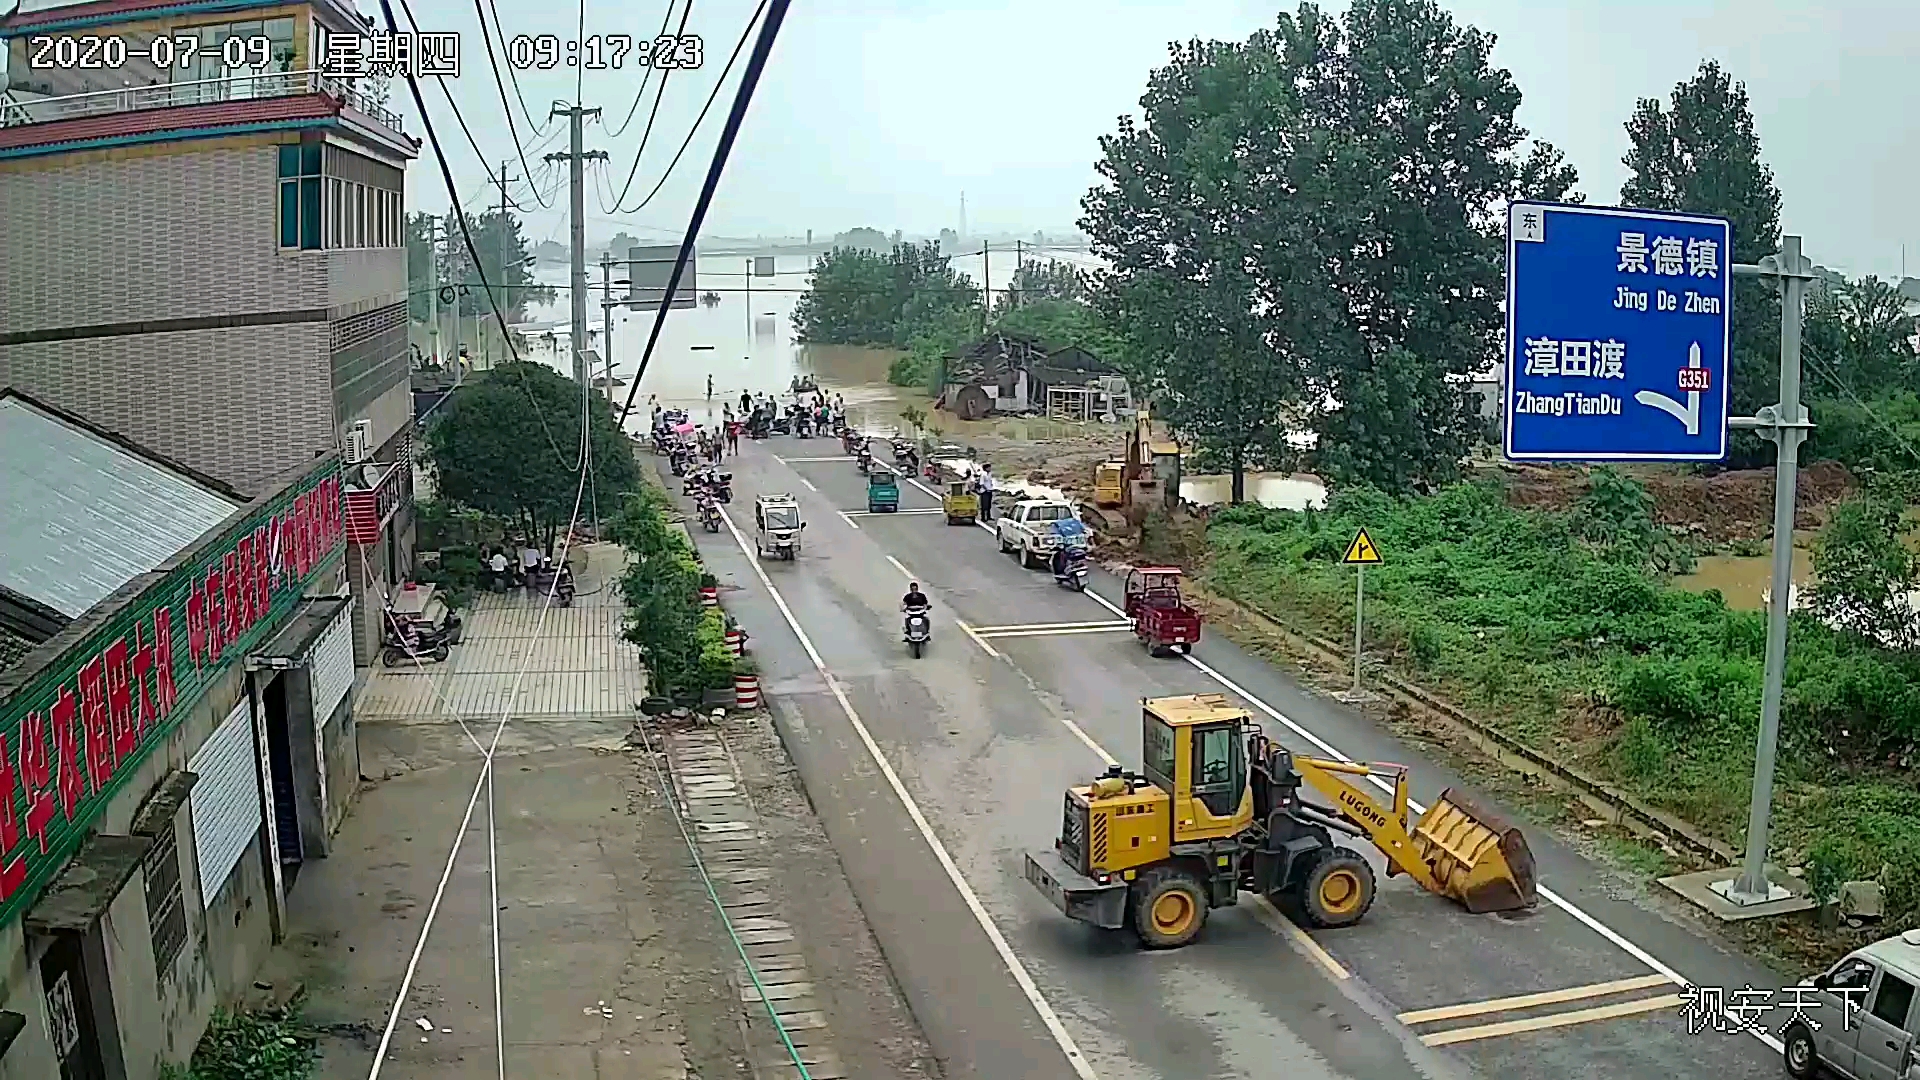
978,640
892,513
1054,632
844,516
1028,987
1561,902
1103,624
807,482
908,574
791,460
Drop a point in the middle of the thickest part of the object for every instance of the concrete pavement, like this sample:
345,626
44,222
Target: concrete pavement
981,735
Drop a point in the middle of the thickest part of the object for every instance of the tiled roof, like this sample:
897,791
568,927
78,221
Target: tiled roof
12,648
84,129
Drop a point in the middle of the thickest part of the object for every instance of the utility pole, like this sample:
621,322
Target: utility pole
504,225
986,281
576,159
433,290
1019,264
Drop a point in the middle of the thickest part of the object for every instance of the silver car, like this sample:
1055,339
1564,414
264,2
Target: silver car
1863,1017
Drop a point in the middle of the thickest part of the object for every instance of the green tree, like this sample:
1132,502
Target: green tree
1043,279
1700,153
508,442
661,587
504,255
864,239
1858,332
1865,571
1063,323
849,300
1403,222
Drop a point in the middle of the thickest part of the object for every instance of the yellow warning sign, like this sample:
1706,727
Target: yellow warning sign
1362,552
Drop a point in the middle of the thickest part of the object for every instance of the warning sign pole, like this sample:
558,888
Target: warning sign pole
1360,554
1359,618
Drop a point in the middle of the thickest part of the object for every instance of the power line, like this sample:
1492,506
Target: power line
513,131
466,234
653,115
757,63
500,27
698,120
645,77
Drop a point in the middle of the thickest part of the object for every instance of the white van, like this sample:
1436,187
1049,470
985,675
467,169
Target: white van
1864,1025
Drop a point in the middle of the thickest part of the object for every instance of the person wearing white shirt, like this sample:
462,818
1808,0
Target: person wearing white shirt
983,479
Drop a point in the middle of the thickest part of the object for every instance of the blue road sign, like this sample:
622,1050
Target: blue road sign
1617,334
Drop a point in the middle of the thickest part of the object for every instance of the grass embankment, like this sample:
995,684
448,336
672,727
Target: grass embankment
1561,630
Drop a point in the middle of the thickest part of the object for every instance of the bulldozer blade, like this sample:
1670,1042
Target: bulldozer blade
1478,858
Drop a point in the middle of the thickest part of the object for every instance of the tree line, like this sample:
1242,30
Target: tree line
1304,232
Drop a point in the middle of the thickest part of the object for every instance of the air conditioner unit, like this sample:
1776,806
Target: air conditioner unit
359,442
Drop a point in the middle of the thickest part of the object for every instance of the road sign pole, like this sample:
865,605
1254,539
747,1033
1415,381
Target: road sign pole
1786,424
1359,619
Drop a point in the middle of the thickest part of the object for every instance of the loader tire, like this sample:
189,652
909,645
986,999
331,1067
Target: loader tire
1169,908
1337,891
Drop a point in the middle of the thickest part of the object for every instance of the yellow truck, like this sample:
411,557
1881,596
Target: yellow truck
1218,811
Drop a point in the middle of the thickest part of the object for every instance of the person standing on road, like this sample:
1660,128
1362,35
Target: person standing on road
983,480
709,388
746,403
733,436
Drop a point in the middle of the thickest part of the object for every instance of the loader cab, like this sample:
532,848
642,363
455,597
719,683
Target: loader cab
1195,749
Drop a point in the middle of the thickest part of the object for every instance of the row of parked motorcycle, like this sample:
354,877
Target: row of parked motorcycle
709,487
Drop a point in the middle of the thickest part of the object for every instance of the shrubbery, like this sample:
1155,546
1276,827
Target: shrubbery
1536,617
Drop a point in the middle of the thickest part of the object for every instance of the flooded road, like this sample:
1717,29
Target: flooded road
1745,580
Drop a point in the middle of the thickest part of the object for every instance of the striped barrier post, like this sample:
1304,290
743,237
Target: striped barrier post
746,692
737,641
709,596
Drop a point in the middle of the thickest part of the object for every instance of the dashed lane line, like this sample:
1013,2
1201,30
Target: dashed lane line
1532,1001
1616,1011
1030,989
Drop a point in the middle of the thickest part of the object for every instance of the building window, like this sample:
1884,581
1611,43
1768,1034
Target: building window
166,911
300,196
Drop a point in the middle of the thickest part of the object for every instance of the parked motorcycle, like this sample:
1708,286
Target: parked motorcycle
803,426
721,484
563,587
918,629
863,458
406,639
709,513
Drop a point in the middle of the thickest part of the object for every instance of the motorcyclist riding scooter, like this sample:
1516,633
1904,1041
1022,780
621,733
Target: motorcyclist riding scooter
919,625
1070,555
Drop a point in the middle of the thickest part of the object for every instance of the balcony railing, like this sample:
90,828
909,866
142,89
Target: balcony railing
17,110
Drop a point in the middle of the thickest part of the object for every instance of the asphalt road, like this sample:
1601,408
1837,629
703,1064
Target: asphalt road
934,776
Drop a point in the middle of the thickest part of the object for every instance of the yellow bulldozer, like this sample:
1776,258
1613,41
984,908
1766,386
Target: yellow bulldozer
1218,811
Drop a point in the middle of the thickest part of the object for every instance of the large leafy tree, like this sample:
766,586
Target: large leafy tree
508,443
1305,232
504,254
857,297
1407,156
1044,279
1700,153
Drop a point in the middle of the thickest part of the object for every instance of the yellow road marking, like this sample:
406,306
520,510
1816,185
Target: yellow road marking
1529,1001
1270,917
990,650
1553,1020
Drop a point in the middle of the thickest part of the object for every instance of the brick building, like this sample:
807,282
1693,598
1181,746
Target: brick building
208,255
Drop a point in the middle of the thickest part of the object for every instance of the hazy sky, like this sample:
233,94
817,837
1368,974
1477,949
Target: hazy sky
881,112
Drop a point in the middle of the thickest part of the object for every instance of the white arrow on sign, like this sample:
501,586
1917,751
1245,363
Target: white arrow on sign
1688,414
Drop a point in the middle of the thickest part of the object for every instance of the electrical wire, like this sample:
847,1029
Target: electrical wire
466,235
645,77
757,63
513,131
698,120
500,26
647,132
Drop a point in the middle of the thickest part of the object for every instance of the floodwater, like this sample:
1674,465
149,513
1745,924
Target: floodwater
1745,580
1277,490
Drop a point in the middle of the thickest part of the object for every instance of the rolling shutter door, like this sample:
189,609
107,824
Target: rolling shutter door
226,801
331,666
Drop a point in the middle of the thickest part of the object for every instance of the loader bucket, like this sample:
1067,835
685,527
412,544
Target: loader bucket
1476,856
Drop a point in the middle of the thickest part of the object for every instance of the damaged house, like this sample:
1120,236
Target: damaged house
1005,372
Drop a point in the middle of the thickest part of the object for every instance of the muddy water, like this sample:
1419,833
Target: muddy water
1277,490
1745,580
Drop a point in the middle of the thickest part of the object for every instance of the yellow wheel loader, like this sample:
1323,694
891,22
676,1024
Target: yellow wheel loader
1218,810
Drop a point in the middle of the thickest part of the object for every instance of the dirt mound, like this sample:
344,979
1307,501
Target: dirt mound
1736,504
